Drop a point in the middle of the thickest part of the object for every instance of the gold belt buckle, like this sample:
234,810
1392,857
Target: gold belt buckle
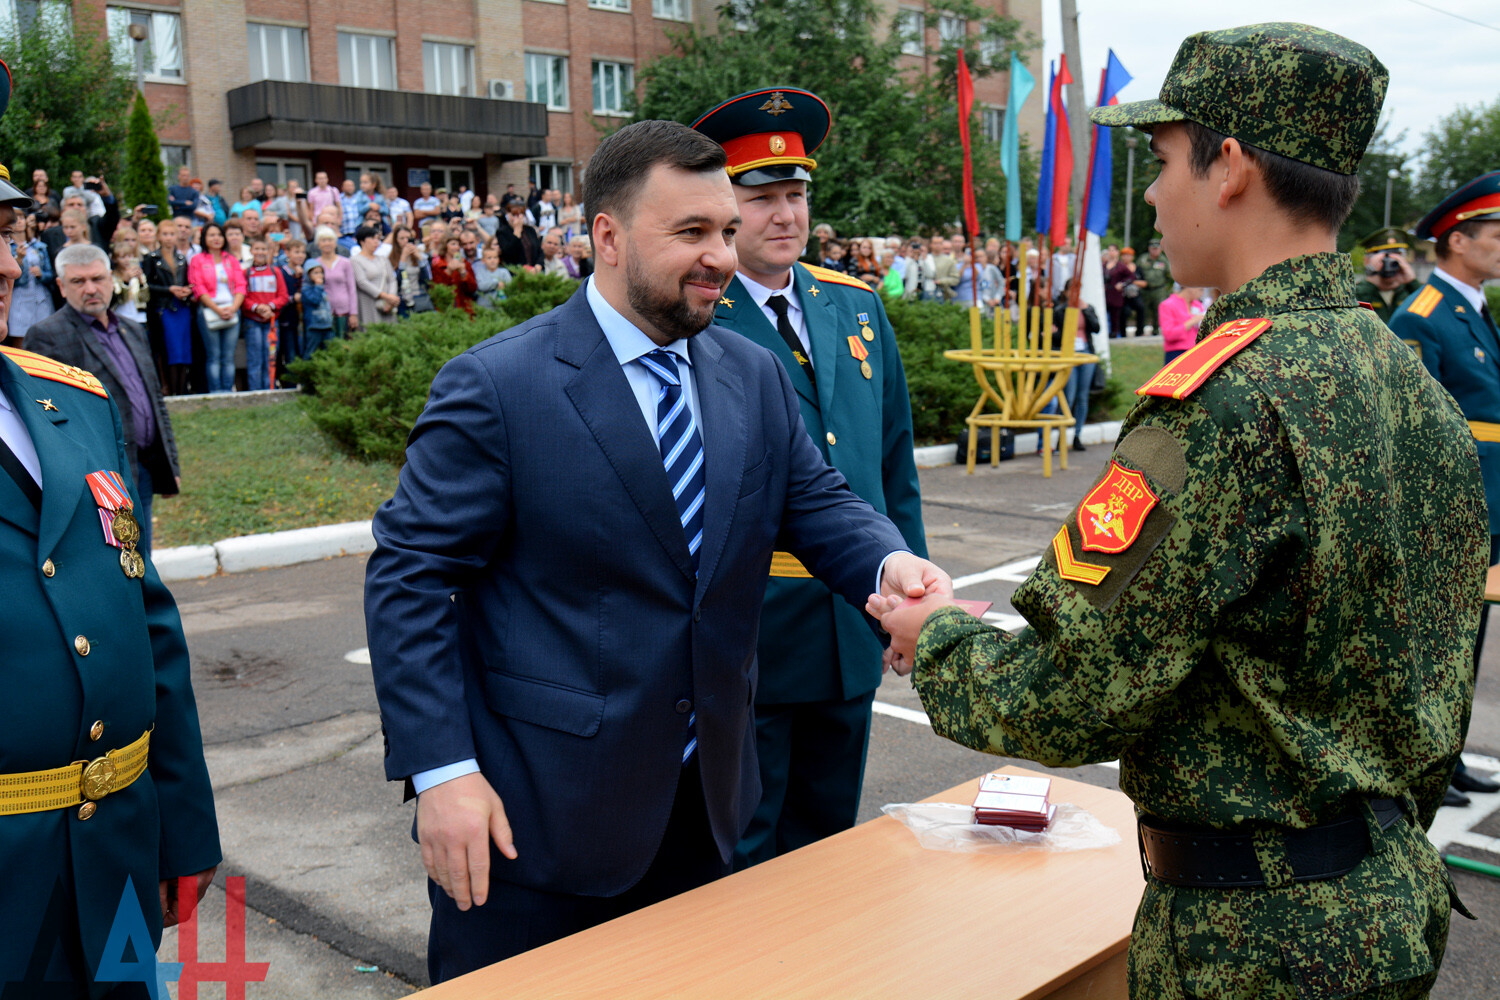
99,778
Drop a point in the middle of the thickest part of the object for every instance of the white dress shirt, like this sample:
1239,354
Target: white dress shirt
1474,296
14,433
761,294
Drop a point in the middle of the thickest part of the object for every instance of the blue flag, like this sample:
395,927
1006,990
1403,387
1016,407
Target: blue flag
1101,171
1049,143
1021,85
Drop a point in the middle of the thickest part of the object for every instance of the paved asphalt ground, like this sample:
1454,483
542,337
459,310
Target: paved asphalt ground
337,902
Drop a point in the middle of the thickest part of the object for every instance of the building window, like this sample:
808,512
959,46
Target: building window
991,52
278,172
994,124
450,178
952,29
277,53
912,26
367,61
547,176
613,83
611,4
380,170
547,80
163,44
672,10
19,16
172,159
448,69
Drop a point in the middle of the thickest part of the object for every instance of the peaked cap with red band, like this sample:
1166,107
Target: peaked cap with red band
1478,199
769,134
9,193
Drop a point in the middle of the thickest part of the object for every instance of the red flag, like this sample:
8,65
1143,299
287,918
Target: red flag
1062,160
965,108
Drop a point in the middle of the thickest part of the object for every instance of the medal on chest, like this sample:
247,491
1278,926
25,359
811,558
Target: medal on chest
117,518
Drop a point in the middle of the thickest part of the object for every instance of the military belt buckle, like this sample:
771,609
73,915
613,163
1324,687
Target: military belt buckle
99,778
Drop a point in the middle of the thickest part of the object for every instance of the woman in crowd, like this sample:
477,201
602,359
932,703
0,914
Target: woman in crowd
406,258
234,241
247,200
279,203
570,216
865,265
490,277
374,281
31,295
1178,316
218,282
519,244
453,209
44,194
580,260
145,237
892,284
169,313
338,282
455,271
130,291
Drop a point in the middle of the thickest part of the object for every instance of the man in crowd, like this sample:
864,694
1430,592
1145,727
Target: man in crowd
90,189
819,662
1157,275
321,194
1253,609
398,207
564,597
106,696
79,227
1388,277
427,209
469,240
85,333
1453,330
552,253
944,269
182,197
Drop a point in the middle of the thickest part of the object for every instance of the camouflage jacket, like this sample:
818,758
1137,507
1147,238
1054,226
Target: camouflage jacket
1292,625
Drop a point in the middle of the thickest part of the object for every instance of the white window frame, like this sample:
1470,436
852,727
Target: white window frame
60,12
444,60
281,163
118,17
559,168
622,6
912,25
380,168
551,61
672,10
350,75
169,165
289,38
449,182
992,122
952,28
624,83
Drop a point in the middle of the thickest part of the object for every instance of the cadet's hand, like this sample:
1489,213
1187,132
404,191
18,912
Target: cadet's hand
455,822
904,623
171,909
908,575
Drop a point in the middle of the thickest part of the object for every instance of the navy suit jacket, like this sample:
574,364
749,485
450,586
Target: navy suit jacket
534,494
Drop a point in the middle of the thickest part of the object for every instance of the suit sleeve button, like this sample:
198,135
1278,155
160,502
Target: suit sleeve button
684,706
81,643
48,569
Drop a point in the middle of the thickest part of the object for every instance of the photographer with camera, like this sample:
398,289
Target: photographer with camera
1388,277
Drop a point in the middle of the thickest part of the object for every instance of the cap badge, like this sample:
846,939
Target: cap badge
778,145
777,104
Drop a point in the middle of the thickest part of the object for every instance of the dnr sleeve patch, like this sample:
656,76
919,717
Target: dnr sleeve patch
1182,377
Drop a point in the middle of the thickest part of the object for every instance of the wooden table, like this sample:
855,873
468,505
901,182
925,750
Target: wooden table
867,913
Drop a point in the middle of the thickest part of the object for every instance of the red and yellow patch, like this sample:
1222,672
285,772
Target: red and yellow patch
1069,567
54,371
1182,377
857,348
1110,518
1426,301
834,277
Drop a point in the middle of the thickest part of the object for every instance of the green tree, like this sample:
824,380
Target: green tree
144,182
1381,157
1142,215
68,104
1458,149
893,161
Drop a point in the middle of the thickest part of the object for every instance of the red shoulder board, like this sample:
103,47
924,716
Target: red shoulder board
1182,377
1369,305
834,277
1111,516
38,366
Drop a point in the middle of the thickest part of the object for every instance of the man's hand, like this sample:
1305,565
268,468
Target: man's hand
908,575
904,623
455,823
171,907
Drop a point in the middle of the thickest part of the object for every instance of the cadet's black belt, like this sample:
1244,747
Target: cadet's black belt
1217,859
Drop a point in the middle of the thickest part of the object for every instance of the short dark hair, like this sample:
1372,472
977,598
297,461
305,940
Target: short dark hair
1307,193
365,232
1469,227
617,171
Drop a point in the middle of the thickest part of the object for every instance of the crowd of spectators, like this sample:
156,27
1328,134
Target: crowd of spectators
285,270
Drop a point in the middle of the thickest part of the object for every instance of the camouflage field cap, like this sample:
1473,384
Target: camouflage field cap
1303,92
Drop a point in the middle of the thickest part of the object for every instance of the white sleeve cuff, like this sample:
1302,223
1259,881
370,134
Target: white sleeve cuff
423,780
880,573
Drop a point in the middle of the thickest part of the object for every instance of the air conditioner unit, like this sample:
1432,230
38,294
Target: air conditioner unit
502,90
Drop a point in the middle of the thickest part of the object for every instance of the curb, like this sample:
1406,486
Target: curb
300,545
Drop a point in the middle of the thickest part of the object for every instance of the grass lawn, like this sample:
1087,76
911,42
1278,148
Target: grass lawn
1132,365
262,468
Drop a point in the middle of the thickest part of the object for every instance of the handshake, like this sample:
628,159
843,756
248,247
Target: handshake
911,589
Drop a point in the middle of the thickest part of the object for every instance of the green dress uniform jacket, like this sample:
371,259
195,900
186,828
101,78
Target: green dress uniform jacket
1462,352
1287,637
1366,292
85,644
1158,277
813,645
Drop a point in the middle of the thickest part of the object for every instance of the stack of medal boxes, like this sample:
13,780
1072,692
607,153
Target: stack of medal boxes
1015,801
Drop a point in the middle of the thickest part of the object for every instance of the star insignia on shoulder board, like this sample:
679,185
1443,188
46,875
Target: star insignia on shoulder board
725,301
813,290
777,105
46,404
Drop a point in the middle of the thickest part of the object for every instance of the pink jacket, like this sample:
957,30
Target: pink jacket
204,279
1173,314
338,281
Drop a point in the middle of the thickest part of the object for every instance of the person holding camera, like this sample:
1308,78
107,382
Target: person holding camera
1388,277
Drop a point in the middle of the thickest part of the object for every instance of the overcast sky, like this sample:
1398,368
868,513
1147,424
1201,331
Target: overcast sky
1436,62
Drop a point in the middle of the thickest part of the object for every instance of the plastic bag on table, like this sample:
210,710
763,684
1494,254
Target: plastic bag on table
947,826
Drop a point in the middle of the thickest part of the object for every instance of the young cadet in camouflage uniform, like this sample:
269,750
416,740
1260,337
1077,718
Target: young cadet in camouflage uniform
1157,274
1265,606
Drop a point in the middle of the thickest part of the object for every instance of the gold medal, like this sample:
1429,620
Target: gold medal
867,333
126,528
137,564
126,563
864,369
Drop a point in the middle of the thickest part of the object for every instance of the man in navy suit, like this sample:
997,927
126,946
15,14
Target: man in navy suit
566,590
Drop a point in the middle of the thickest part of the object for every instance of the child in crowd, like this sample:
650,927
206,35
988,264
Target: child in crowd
491,277
834,257
265,294
289,321
317,314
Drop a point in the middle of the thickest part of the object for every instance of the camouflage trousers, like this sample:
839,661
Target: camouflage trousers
1377,933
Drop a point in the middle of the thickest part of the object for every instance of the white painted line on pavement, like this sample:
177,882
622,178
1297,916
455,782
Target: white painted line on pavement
905,714
1014,572
360,655
1455,824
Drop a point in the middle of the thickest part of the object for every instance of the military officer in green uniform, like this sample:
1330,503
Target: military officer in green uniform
819,662
103,787
1449,324
1388,276
1157,274
1265,606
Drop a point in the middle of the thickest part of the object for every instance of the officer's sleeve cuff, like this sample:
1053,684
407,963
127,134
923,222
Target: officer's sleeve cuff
880,572
423,780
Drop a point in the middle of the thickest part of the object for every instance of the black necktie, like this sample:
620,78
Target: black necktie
1484,311
13,467
779,306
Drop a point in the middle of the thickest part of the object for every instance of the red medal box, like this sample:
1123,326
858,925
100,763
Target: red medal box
1015,801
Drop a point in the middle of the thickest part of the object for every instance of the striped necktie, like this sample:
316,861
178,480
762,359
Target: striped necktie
682,455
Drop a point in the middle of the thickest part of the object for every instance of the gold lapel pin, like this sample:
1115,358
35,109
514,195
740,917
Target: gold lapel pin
724,301
813,290
46,404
